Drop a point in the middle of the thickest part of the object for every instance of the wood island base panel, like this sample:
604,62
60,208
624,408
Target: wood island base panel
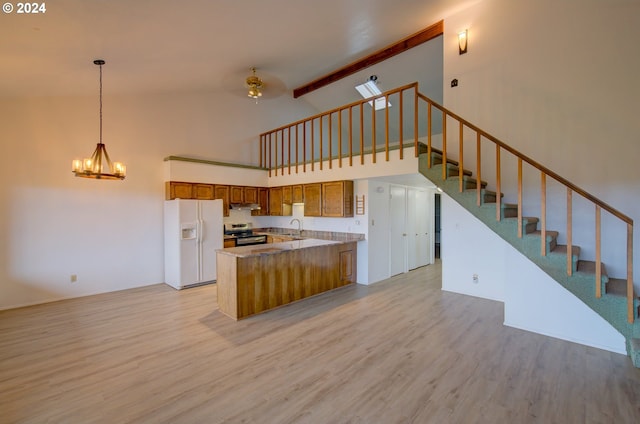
255,279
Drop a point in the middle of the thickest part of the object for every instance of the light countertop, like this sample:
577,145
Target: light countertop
274,248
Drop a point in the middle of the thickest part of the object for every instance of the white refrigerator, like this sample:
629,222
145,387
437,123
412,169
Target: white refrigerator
193,230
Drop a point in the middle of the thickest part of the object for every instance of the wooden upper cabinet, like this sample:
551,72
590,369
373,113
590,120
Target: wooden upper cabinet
251,194
203,191
287,195
297,193
337,199
236,194
178,190
275,201
222,192
312,199
263,201
277,206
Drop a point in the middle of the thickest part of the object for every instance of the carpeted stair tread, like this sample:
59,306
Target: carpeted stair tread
617,287
469,183
529,223
550,234
562,249
490,196
589,267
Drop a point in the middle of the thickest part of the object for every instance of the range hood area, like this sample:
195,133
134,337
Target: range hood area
244,206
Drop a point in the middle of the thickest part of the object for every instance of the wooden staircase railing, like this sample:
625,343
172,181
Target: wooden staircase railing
315,139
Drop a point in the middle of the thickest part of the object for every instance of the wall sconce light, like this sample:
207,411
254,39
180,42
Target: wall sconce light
462,42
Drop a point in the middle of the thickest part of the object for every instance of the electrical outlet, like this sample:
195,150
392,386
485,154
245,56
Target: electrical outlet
475,278
74,278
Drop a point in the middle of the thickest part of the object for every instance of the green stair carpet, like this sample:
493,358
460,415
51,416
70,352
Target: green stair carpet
612,306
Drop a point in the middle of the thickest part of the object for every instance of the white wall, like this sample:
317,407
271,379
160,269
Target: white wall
556,80
109,233
468,247
533,301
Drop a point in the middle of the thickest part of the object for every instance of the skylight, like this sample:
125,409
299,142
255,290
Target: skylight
370,89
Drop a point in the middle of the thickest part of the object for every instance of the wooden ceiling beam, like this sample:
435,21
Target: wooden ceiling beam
403,45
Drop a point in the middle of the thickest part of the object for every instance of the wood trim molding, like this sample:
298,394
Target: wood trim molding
401,46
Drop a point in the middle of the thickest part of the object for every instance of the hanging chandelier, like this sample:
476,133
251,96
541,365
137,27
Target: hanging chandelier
99,165
255,84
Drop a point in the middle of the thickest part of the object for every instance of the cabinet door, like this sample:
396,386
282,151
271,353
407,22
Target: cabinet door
178,190
236,194
203,191
297,193
348,264
222,192
312,199
287,195
251,194
263,201
337,199
275,201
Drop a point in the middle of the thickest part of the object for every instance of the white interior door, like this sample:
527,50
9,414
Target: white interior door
412,231
397,230
421,225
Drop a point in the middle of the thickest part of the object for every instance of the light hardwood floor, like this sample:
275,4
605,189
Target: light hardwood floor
400,351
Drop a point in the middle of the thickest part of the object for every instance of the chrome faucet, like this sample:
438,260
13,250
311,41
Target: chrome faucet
299,224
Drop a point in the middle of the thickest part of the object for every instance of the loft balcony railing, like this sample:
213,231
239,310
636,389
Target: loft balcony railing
352,132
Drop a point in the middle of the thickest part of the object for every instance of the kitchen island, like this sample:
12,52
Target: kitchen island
255,279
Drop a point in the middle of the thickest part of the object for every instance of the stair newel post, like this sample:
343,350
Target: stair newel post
498,194
598,252
428,135
569,232
519,197
461,156
543,214
478,161
630,295
444,145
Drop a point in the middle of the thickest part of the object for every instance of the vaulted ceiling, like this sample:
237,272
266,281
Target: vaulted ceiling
195,45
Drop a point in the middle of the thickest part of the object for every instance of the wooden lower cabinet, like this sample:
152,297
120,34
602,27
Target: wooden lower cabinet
250,285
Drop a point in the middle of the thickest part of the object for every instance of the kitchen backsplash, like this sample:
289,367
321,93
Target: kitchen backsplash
345,225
